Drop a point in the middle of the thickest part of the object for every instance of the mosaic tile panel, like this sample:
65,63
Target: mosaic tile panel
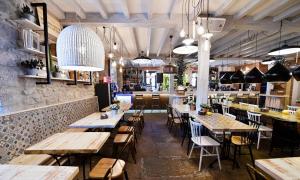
20,130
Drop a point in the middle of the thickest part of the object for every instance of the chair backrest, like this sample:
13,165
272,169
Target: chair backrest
225,109
254,116
254,174
292,109
230,115
217,108
251,136
195,129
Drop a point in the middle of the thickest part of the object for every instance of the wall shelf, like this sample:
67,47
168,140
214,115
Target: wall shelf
52,78
27,24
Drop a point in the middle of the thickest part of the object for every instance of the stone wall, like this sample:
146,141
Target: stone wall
22,129
21,93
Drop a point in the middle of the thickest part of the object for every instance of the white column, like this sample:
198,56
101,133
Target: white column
203,74
171,89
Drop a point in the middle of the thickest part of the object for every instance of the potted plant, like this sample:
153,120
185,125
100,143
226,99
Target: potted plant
30,66
27,13
56,72
205,107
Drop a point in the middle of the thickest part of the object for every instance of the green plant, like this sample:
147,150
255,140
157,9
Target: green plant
56,69
31,64
205,106
181,68
26,10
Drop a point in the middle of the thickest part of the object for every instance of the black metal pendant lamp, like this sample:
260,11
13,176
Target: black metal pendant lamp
225,79
296,72
237,77
278,73
170,68
254,75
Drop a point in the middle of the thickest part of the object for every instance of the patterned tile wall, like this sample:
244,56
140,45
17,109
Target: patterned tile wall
20,130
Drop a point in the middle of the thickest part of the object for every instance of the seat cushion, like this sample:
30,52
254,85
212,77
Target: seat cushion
131,119
177,120
125,129
205,141
103,165
121,138
265,128
238,141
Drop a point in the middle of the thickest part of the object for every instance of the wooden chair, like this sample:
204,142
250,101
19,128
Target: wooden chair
230,116
292,109
110,168
175,121
255,174
203,142
155,101
121,139
139,101
244,139
263,130
217,108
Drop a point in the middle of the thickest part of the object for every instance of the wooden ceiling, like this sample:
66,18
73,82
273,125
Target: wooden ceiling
145,25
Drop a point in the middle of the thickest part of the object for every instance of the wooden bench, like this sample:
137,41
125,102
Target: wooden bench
32,159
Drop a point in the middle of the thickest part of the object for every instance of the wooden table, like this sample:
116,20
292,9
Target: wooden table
24,172
219,122
70,143
123,107
280,168
83,143
182,108
273,114
94,120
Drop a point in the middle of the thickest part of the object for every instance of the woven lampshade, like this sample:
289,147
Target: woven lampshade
80,48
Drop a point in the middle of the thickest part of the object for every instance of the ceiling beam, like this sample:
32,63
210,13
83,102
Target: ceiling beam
245,10
101,9
171,8
78,9
122,41
270,9
124,6
132,35
289,12
54,9
224,7
149,32
163,39
146,5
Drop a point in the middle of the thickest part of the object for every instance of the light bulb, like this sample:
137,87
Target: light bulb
121,60
147,70
188,41
200,29
194,29
114,64
121,70
182,33
110,55
206,44
115,46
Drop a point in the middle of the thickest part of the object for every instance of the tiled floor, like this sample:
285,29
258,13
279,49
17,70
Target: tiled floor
161,156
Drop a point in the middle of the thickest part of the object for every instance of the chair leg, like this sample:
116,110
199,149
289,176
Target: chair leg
234,157
184,135
126,175
219,161
188,146
191,150
250,151
258,139
201,155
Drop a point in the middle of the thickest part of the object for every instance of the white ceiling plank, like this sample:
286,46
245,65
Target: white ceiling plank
224,7
287,13
149,32
122,41
296,19
124,6
54,9
132,35
171,8
248,7
101,9
227,41
270,9
78,9
163,40
147,5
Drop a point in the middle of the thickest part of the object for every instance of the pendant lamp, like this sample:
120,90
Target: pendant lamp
254,75
80,48
278,73
225,79
237,77
141,59
170,68
284,50
296,72
186,49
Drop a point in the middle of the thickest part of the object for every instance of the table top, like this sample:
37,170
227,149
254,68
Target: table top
182,108
219,122
94,120
280,168
34,172
274,114
70,143
123,106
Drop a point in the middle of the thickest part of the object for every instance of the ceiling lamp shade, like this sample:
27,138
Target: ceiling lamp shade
254,76
296,73
141,59
237,77
278,73
186,49
170,69
284,50
79,48
225,79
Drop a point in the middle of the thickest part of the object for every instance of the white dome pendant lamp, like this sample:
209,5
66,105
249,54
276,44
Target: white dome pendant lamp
80,49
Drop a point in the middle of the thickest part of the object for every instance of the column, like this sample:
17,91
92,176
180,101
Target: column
203,74
171,88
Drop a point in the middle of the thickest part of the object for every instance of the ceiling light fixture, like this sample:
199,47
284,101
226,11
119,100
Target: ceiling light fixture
80,48
141,59
186,49
278,73
170,68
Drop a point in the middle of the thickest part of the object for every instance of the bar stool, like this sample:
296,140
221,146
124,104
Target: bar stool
155,101
139,101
